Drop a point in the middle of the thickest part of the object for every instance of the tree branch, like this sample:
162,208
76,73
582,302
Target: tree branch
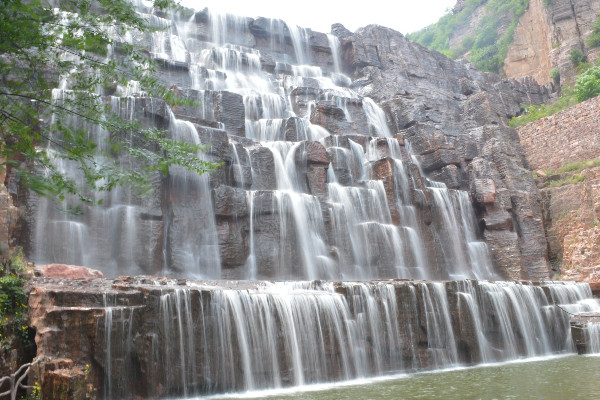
97,121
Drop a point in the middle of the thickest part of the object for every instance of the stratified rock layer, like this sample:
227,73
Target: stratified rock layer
455,119
546,35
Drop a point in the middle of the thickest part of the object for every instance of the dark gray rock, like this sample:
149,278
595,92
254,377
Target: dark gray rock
263,177
456,119
230,202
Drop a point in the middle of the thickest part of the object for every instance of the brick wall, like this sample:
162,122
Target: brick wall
570,135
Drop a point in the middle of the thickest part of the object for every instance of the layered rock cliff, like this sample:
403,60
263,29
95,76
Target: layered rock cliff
539,39
546,35
455,119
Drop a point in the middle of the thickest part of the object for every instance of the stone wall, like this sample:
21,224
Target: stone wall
571,217
571,211
571,135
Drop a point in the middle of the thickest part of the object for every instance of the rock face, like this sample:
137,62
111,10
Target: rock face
455,119
546,35
531,51
571,214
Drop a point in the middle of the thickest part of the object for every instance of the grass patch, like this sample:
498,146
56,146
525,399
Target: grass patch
576,166
533,112
574,179
574,169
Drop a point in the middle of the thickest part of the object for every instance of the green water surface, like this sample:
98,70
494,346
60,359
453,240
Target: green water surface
564,378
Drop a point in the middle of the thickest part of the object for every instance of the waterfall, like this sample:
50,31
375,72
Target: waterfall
334,44
593,337
316,222
258,335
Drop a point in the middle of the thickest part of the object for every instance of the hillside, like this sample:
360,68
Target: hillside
518,38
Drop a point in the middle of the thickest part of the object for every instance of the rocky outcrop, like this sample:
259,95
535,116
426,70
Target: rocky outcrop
546,35
530,53
468,29
67,272
456,121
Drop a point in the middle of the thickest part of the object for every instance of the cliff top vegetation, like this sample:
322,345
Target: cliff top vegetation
488,45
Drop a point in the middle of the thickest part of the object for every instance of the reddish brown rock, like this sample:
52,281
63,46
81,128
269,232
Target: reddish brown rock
383,170
483,190
64,384
68,272
317,180
571,217
316,153
332,118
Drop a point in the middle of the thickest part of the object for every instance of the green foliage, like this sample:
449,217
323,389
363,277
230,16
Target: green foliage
587,85
13,301
40,48
488,47
577,57
594,39
582,67
535,112
555,75
548,2
571,180
576,166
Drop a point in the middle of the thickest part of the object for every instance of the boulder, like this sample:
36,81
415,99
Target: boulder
67,272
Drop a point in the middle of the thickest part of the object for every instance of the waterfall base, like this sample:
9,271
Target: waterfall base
147,337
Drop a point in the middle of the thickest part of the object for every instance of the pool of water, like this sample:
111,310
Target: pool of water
563,378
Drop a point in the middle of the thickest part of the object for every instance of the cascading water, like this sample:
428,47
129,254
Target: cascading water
316,187
212,338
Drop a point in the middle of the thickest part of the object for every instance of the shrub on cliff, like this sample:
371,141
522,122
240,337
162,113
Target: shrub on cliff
577,57
588,84
594,39
13,303
555,75
40,127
